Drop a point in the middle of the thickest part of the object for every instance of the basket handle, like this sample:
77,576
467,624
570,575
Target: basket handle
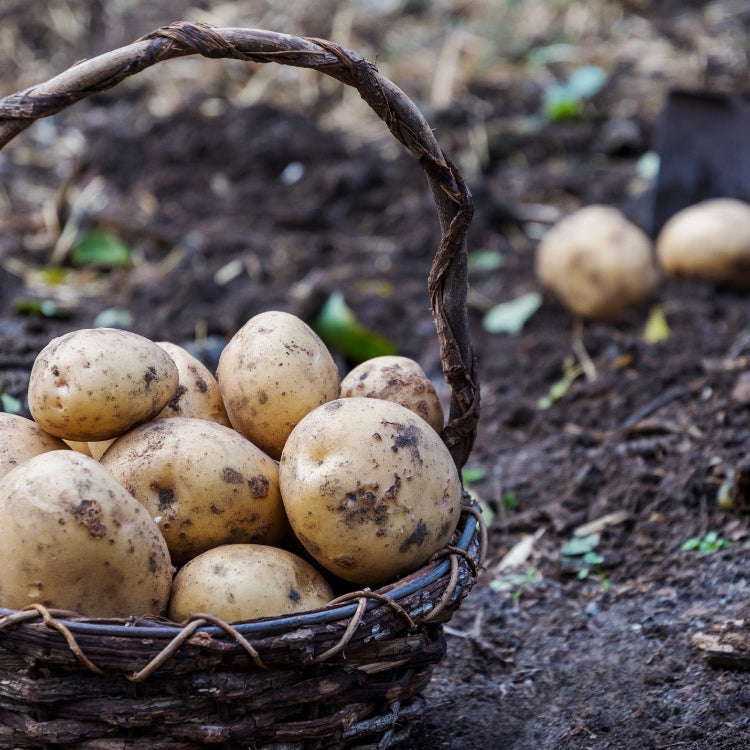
448,279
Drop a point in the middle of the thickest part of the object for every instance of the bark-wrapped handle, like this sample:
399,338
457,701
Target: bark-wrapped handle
448,279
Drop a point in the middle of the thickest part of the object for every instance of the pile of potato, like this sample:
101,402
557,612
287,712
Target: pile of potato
144,485
598,263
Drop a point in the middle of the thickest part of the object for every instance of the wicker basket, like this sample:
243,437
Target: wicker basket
347,675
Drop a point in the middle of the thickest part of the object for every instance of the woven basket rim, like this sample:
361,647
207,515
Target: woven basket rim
144,628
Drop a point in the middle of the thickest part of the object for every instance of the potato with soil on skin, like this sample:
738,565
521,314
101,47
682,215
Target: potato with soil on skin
273,371
72,538
21,439
709,240
397,379
369,488
198,394
246,581
96,383
597,262
205,483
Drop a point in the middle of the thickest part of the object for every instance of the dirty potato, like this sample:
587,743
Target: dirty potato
20,439
72,538
94,384
198,393
597,262
246,581
369,488
273,371
397,379
204,483
709,240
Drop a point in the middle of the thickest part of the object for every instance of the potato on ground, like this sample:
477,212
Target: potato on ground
72,538
246,581
198,393
94,384
597,262
205,483
709,240
22,438
273,371
397,379
369,488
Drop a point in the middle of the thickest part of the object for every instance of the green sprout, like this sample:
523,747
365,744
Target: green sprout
711,542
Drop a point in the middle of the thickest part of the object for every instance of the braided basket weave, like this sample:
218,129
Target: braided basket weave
347,675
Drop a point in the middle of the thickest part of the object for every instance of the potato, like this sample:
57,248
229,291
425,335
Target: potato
198,393
246,581
397,379
76,445
205,483
369,488
597,262
709,240
21,439
97,448
72,538
272,372
94,384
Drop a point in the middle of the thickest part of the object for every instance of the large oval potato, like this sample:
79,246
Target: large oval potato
72,538
369,488
198,394
273,371
96,383
397,379
205,483
246,581
709,240
597,262
21,439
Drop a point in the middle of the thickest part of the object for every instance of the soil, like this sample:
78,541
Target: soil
194,175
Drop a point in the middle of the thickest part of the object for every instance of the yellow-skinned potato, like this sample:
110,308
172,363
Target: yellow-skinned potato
198,393
597,262
72,538
21,439
79,446
96,383
369,488
273,371
247,581
709,240
397,379
205,483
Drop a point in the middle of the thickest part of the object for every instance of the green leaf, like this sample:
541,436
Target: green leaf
101,249
593,558
337,325
510,500
45,308
112,317
10,404
511,317
485,260
580,545
690,544
586,81
561,104
473,474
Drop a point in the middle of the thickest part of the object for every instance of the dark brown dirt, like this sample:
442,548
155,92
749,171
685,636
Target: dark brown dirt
539,657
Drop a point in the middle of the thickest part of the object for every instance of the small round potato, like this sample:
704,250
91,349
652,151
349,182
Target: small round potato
273,371
204,483
72,538
96,383
397,379
198,393
21,439
597,262
709,240
369,488
246,581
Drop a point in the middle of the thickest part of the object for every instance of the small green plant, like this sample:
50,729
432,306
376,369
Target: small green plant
565,101
579,553
711,542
